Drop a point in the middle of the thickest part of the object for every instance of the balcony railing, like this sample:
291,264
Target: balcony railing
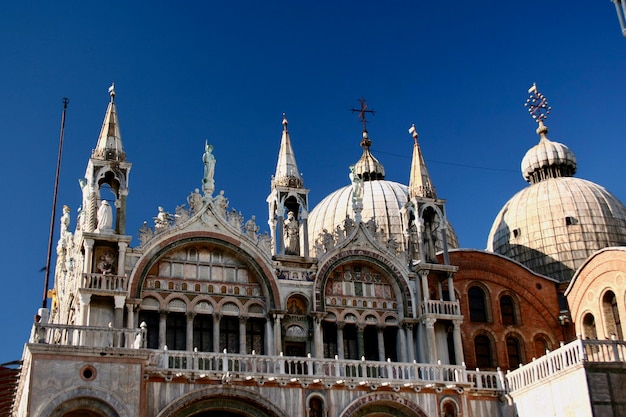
105,282
440,308
574,353
87,336
270,368
334,371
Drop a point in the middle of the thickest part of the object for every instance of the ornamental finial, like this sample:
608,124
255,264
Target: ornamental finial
413,132
285,122
112,91
537,105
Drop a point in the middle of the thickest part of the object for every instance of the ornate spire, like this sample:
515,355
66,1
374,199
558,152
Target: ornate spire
419,181
109,145
287,173
547,159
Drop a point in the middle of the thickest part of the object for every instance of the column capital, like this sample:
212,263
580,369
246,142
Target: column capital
429,322
119,300
341,325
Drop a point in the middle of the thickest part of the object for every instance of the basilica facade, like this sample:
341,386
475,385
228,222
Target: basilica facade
361,306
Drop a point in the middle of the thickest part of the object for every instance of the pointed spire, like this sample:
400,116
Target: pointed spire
287,173
109,145
419,182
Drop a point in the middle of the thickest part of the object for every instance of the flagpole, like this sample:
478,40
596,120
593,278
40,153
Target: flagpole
44,302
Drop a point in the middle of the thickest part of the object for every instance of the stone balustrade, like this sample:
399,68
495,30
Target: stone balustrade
270,368
104,282
87,336
573,354
440,308
329,371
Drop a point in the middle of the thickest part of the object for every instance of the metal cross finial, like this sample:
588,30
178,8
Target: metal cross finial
362,112
537,104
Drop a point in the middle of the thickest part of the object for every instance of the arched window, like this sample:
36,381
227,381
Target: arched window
507,310
589,327
350,345
151,318
255,335
482,348
542,345
612,321
477,305
390,336
316,407
229,334
203,333
514,352
449,409
370,339
329,330
176,331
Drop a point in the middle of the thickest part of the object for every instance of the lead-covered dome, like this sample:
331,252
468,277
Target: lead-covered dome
556,223
381,200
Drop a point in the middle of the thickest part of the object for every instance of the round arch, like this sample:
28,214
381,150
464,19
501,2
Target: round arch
240,403
150,258
397,279
384,405
98,403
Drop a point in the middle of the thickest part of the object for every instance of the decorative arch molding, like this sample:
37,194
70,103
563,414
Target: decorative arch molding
152,256
383,404
364,255
101,402
242,401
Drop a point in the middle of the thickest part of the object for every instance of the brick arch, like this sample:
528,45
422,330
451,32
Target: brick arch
235,401
383,404
364,255
256,264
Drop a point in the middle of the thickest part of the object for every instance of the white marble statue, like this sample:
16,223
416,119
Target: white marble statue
292,235
105,217
209,169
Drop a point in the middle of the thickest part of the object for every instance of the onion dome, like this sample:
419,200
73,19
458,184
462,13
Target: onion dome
557,222
547,159
368,168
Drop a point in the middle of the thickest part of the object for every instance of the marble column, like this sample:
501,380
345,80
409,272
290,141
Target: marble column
242,334
431,340
130,316
121,258
118,314
410,342
381,342
278,334
402,354
84,300
162,329
451,288
458,342
190,317
88,264
360,342
340,326
269,336
318,339
216,331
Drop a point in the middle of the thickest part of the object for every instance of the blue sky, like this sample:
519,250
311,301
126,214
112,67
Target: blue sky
186,72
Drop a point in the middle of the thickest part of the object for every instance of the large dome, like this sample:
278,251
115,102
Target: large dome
382,200
556,223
